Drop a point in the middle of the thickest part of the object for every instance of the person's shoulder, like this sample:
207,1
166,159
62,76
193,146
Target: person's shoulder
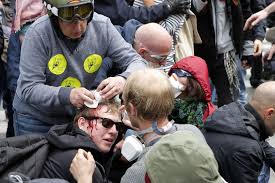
41,22
41,27
186,127
189,127
98,18
135,172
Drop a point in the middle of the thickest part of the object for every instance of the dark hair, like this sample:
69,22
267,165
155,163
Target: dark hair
193,90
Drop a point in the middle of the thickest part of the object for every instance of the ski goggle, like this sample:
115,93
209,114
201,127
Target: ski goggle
71,13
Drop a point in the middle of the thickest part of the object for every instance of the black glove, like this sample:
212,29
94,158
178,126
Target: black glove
178,6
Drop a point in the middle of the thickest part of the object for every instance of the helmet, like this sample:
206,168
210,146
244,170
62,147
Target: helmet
69,10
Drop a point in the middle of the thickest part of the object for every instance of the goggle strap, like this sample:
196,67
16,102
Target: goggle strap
51,8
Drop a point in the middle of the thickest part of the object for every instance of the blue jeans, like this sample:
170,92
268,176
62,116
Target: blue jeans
25,124
264,175
241,75
243,94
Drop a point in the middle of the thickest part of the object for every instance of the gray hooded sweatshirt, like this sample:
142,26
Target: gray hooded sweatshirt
49,70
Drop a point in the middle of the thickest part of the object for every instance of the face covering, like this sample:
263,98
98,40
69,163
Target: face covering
178,88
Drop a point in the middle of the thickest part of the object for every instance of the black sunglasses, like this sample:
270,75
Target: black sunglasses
108,123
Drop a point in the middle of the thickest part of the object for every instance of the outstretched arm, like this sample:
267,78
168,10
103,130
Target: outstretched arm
119,11
257,17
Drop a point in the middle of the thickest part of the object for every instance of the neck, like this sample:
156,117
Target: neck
148,137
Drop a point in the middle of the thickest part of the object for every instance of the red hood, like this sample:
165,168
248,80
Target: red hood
198,68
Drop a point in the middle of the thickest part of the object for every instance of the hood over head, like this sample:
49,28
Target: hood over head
198,68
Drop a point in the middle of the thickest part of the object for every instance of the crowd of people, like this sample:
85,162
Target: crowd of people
136,91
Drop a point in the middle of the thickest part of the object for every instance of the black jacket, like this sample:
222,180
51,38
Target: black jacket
271,17
25,154
65,140
235,133
207,50
119,11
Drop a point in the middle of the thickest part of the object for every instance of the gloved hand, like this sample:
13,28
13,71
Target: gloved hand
178,6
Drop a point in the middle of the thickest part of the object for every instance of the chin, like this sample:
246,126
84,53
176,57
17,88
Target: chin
105,149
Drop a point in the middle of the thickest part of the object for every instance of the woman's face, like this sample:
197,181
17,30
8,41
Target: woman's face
183,81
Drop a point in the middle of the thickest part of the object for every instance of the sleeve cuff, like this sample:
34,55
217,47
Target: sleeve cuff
125,75
259,38
64,95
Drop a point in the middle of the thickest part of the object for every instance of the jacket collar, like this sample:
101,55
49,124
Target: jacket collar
258,125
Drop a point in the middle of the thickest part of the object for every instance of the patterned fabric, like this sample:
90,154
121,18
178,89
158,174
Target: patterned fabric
172,24
188,112
231,70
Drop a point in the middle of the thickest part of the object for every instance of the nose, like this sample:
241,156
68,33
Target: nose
113,130
77,25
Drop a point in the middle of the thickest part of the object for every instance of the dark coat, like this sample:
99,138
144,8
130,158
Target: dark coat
271,17
25,154
119,11
207,50
14,50
49,157
65,140
234,133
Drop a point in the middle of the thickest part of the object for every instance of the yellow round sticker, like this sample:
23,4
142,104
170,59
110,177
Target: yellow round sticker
57,64
92,63
71,82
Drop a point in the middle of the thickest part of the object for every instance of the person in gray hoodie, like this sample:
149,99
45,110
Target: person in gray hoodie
60,57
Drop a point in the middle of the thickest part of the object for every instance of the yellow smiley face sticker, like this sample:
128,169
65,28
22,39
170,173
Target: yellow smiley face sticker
57,64
71,82
92,63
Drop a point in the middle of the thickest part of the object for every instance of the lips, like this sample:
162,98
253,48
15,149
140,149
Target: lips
109,140
77,34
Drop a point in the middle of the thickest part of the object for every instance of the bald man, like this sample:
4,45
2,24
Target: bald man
153,43
237,133
150,40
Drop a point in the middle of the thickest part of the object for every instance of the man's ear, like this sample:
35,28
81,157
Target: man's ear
82,123
141,51
132,109
269,112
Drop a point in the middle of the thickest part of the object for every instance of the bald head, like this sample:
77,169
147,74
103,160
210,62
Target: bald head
153,37
264,95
